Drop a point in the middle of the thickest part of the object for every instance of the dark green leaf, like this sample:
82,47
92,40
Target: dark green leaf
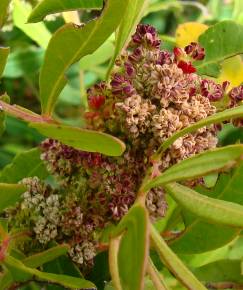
200,165
82,40
4,52
3,11
46,7
10,194
210,209
25,164
221,41
82,139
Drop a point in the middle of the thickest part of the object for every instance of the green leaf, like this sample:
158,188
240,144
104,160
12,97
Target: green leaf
200,165
211,209
4,52
82,139
200,236
46,7
173,263
220,271
214,119
10,194
133,248
82,40
3,11
101,55
39,259
132,16
16,267
25,164
37,32
230,43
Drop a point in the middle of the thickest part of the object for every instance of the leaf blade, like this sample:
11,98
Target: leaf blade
47,7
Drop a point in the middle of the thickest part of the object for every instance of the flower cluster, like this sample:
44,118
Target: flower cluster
151,95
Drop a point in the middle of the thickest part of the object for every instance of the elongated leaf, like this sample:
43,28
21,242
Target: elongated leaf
4,51
15,266
37,32
46,7
82,139
214,119
174,264
25,164
3,11
132,16
200,165
39,259
10,194
133,248
217,48
210,209
204,236
81,41
221,271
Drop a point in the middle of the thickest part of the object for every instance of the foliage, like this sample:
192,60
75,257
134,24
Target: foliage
139,184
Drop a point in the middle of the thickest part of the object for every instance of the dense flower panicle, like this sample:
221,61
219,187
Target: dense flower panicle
152,95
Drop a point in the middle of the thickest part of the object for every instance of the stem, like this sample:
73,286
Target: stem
24,114
156,277
113,261
173,263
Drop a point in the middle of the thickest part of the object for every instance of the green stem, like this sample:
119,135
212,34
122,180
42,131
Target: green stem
156,277
174,264
113,262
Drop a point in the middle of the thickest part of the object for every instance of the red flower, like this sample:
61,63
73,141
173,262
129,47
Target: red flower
95,102
186,67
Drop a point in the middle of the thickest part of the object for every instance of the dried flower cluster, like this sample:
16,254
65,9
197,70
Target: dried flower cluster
152,94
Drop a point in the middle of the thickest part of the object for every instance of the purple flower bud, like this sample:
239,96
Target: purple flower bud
236,94
146,35
214,92
121,86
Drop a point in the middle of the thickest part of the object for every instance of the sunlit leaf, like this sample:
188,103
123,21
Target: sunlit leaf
10,194
37,32
82,139
189,32
46,7
232,71
82,40
217,49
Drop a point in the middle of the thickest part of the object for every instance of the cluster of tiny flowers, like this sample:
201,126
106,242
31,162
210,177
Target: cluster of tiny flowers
236,98
151,95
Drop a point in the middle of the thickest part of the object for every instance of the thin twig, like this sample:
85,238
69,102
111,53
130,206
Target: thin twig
156,277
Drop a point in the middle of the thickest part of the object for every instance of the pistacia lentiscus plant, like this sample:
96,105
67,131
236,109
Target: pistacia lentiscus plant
145,180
